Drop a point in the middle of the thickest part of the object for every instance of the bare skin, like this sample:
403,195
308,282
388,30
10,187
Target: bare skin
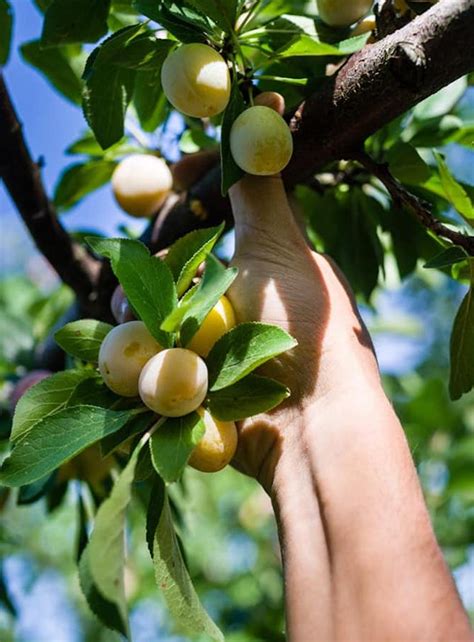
361,562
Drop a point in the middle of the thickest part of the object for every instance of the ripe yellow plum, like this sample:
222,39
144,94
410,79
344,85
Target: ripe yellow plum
220,320
141,183
123,353
217,447
260,141
342,13
174,382
196,80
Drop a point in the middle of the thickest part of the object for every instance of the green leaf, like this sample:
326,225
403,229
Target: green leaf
447,257
146,280
134,47
461,378
137,425
59,67
173,579
248,397
155,506
87,145
94,392
188,252
149,100
231,172
45,398
192,312
106,611
304,45
442,102
82,339
454,191
222,12
106,547
243,349
407,165
172,444
186,24
144,52
56,439
193,140
74,21
6,29
105,99
81,179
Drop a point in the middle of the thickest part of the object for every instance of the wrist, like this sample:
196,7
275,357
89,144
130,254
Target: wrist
322,432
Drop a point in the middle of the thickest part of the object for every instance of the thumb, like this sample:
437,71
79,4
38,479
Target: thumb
260,207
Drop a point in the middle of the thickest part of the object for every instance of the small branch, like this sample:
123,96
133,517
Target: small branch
418,207
22,178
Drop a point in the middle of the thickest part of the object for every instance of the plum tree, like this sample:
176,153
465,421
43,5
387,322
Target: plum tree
219,321
174,382
260,141
196,80
123,353
218,445
140,184
342,13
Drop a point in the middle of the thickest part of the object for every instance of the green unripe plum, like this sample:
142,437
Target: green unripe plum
174,382
261,141
141,183
342,13
196,80
123,353
220,320
217,447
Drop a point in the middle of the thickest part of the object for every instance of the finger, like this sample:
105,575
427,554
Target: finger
191,168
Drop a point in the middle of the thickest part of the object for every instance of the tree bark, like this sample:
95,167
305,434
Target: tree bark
22,178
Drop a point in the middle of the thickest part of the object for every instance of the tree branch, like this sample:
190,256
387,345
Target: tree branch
419,208
376,85
22,178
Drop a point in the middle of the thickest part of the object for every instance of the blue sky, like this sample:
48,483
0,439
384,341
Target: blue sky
50,123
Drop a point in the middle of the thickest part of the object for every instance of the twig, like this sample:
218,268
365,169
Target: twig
22,178
418,207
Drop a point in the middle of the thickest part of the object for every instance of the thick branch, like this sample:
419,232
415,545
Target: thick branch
22,179
381,82
375,86
420,209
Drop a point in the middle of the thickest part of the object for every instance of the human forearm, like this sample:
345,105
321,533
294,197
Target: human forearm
361,560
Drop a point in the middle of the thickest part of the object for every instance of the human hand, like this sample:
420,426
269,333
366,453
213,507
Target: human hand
281,281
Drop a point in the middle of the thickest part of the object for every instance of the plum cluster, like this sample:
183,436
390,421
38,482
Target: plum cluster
172,382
